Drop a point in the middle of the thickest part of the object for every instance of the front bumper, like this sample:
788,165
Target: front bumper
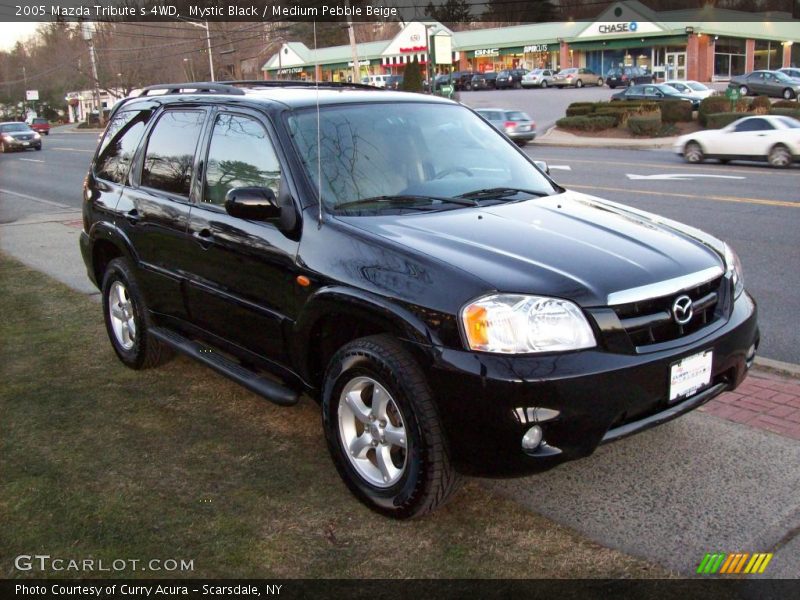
487,402
14,144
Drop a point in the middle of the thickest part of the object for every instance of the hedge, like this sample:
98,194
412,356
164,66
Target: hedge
712,105
786,104
644,125
673,111
577,111
722,119
786,112
584,123
762,102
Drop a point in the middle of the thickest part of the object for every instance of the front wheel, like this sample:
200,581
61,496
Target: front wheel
544,84
600,82
779,157
383,429
788,94
579,84
693,153
744,90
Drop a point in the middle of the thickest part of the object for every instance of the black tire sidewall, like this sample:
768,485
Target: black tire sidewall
118,270
399,499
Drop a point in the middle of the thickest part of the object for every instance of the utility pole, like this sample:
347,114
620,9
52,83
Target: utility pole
87,35
353,49
25,96
208,43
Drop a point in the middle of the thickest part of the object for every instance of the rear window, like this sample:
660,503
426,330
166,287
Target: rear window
40,121
789,122
517,116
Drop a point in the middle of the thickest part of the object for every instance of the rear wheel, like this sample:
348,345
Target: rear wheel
600,82
544,84
693,153
744,90
383,429
779,156
579,84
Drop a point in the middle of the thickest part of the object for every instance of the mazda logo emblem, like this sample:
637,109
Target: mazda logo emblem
682,310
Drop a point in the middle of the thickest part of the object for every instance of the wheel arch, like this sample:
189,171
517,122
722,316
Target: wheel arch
108,242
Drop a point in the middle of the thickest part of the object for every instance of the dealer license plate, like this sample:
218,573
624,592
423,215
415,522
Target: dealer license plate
26,143
689,375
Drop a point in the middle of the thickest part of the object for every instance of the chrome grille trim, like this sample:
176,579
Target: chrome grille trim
664,288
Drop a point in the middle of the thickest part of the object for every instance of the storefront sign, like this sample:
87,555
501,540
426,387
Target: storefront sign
289,70
414,49
618,27
361,63
535,48
487,52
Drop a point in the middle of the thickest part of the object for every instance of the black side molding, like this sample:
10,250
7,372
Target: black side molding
256,383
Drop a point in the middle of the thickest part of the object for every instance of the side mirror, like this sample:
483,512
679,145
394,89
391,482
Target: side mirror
542,166
255,203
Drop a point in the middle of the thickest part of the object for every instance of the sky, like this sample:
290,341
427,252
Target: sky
10,33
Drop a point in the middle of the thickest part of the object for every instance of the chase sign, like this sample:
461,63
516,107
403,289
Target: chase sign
618,27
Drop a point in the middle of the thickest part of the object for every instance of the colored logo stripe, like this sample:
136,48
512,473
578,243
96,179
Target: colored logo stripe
732,564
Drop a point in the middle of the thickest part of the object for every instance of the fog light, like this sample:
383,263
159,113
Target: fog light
532,438
751,355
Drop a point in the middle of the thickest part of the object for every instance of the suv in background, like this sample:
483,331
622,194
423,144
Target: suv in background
450,307
510,78
484,81
627,76
40,125
461,80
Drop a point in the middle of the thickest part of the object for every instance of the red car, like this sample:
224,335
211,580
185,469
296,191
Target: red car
40,126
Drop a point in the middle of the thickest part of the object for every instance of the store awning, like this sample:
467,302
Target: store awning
675,40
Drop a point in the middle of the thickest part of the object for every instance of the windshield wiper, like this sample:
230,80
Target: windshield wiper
405,199
500,192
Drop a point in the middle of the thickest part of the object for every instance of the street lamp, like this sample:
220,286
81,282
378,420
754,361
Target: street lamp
208,42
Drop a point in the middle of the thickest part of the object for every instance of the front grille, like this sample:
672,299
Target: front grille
651,321
24,138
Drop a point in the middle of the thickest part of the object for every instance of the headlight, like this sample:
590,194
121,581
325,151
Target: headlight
733,268
516,324
7,137
36,136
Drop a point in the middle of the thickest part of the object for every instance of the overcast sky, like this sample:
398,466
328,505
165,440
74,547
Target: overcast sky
11,32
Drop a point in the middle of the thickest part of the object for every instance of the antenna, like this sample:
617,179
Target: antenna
317,73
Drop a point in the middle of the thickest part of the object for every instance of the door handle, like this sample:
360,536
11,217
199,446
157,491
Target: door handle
133,216
204,237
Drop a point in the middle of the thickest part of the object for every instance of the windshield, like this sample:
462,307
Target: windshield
698,87
407,149
14,127
789,122
783,77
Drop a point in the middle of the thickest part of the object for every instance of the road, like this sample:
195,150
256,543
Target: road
757,210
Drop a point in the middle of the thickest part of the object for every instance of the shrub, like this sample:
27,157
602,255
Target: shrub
761,102
712,105
577,111
673,111
786,104
786,112
644,125
722,119
584,123
412,77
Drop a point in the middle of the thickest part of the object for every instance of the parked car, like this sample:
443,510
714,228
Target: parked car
484,81
538,78
775,139
40,125
793,72
375,80
654,93
394,82
514,123
627,76
577,77
392,255
510,78
461,80
18,136
695,89
768,83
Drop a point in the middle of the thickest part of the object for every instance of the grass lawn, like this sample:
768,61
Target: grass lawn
98,461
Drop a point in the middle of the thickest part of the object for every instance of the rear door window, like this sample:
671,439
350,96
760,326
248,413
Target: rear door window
119,145
169,160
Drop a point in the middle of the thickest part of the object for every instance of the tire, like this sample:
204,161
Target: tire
128,327
38,148
579,84
612,86
522,143
693,152
544,84
744,90
724,161
600,82
788,94
779,156
410,481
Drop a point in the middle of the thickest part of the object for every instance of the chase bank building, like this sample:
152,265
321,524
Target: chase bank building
704,44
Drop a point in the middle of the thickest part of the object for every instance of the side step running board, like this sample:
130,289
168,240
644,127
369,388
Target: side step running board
272,391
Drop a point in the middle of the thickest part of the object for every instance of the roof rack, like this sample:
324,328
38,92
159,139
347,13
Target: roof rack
278,83
201,87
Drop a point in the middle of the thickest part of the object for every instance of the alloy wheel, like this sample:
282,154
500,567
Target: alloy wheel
372,432
693,153
780,157
123,321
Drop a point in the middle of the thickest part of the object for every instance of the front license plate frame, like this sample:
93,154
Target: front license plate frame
690,374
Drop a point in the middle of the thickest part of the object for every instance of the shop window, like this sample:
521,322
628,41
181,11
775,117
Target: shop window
794,59
768,55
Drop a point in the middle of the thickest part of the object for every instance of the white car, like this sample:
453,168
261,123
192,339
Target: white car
695,89
537,78
773,138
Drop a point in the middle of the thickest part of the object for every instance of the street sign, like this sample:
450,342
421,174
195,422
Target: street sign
32,95
732,94
446,91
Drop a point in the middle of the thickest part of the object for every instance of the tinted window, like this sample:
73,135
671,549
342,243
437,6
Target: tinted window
40,121
14,127
517,116
754,125
122,138
240,155
636,89
170,151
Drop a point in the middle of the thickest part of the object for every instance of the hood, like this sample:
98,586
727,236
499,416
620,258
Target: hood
570,245
24,135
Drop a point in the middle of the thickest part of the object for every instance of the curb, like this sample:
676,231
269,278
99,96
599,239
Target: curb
778,367
556,137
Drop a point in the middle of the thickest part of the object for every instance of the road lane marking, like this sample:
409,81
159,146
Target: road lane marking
665,165
560,167
679,176
762,201
35,199
73,150
31,160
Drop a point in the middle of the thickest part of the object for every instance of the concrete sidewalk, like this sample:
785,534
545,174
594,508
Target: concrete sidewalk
558,137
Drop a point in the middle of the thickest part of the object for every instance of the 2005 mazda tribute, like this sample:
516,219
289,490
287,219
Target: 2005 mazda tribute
452,309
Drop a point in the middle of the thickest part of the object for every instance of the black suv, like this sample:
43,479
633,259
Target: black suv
627,76
451,308
510,78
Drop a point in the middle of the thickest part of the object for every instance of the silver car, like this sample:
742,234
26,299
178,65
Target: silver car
538,78
514,123
577,76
